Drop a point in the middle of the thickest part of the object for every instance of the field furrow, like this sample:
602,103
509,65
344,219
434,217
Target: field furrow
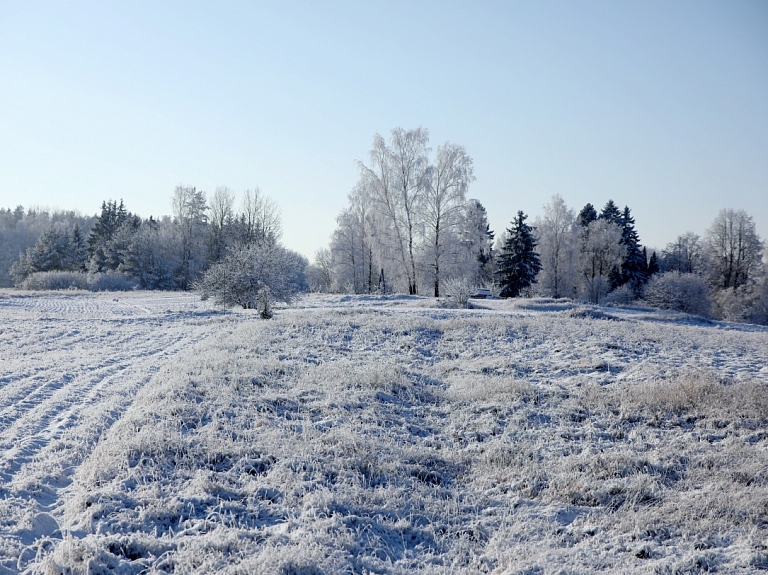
75,365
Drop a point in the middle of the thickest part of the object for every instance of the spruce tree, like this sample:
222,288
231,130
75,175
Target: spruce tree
653,264
634,269
587,215
611,213
518,262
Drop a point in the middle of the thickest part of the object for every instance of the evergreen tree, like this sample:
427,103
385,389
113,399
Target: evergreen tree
634,268
587,215
653,264
518,262
103,253
611,213
77,255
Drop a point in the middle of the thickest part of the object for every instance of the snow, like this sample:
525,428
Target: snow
150,432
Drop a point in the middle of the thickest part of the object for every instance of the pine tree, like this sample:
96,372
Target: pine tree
587,215
103,255
77,256
634,268
611,213
653,264
518,262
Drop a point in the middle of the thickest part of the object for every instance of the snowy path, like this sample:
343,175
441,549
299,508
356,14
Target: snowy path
69,368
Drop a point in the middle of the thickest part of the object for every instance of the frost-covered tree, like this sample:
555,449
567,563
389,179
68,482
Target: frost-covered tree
408,225
601,254
190,219
110,236
57,249
395,175
686,292
358,255
444,197
734,250
151,256
476,261
255,276
518,262
260,220
320,272
685,255
557,232
220,222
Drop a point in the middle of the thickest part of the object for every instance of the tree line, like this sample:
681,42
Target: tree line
409,227
118,249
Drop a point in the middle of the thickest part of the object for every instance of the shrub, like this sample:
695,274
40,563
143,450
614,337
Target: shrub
254,277
744,304
680,292
622,295
457,292
112,281
56,281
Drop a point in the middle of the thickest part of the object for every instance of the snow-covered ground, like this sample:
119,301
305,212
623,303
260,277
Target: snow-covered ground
147,432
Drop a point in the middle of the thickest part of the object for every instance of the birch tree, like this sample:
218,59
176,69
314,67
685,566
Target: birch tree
397,178
444,198
557,232
190,218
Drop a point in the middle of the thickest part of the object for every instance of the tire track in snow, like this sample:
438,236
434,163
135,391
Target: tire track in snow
63,382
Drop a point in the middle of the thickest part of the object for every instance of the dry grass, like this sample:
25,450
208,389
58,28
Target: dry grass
369,442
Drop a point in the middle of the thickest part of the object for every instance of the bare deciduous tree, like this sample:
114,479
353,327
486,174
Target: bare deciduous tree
601,253
396,175
445,193
734,249
221,216
260,219
685,255
557,232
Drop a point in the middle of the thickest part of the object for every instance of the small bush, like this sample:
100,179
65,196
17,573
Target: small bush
747,304
458,291
56,281
687,293
110,281
622,295
254,277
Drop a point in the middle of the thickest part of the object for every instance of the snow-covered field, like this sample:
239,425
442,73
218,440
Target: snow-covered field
148,432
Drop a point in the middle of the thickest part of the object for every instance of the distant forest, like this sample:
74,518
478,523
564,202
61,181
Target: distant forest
409,227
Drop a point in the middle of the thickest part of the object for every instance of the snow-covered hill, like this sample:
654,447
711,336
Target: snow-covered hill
150,433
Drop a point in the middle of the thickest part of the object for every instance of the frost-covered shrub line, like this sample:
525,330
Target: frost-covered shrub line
55,280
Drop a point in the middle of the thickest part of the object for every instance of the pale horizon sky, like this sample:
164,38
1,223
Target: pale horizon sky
661,106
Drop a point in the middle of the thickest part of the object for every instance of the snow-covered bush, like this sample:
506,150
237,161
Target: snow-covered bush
688,293
458,291
60,280
746,304
112,281
622,295
255,277
56,281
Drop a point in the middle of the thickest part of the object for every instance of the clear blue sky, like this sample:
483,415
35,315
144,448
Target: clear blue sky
662,106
